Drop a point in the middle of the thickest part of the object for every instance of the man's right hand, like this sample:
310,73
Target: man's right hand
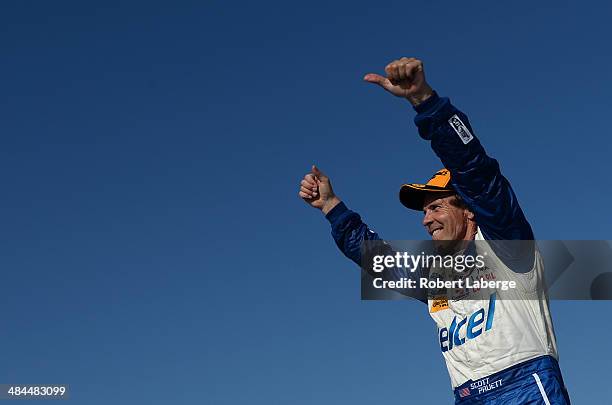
316,191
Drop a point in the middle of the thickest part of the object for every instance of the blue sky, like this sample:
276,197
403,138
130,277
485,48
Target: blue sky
154,248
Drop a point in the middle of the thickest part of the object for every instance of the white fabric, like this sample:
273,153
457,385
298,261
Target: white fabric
520,326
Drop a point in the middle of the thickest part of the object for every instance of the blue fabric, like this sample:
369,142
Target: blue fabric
349,231
474,175
517,385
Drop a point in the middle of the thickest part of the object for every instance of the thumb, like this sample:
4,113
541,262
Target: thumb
378,79
318,173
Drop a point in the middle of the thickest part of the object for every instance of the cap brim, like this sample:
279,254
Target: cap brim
413,195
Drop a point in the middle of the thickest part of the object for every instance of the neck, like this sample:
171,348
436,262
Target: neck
471,230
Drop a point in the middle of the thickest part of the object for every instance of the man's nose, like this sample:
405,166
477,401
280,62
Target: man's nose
427,220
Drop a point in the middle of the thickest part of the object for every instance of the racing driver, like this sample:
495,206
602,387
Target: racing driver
499,348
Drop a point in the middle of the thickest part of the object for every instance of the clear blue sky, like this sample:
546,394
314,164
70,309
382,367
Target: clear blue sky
154,249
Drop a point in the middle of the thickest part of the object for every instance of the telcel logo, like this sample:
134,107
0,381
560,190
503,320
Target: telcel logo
451,336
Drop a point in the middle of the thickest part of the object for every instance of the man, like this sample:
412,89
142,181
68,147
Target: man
499,347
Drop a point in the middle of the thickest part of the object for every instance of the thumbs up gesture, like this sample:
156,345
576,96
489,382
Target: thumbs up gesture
405,78
316,191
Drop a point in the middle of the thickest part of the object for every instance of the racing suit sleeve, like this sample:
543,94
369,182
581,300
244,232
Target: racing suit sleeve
477,178
349,233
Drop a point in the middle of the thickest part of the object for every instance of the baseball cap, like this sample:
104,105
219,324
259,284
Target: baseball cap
412,195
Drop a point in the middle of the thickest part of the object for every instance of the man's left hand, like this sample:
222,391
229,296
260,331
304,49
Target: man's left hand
405,78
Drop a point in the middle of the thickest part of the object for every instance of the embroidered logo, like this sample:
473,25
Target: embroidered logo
438,305
461,130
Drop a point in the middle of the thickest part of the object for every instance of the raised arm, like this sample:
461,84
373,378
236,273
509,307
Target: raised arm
350,232
475,176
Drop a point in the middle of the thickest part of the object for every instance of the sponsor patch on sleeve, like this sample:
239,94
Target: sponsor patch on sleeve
460,128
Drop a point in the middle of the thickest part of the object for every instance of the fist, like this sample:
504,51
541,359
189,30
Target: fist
404,78
316,191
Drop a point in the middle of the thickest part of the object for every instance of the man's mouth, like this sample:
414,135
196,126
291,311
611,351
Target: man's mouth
435,232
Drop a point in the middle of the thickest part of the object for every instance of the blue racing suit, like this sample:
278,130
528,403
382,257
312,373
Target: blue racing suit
477,179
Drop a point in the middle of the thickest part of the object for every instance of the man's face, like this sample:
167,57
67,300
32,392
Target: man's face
443,220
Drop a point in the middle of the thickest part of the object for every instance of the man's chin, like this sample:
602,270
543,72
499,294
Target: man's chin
446,246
